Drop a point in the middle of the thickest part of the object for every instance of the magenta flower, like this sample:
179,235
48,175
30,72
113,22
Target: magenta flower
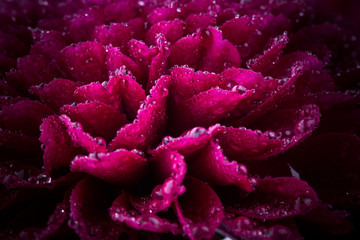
178,120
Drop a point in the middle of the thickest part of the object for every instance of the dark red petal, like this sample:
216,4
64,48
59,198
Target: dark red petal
137,27
109,35
57,93
130,92
89,217
158,64
161,14
270,56
240,30
121,211
50,44
214,168
195,22
199,210
24,116
172,30
248,228
84,22
187,144
116,60
18,175
35,69
142,54
120,167
97,118
188,83
185,51
245,144
168,168
81,138
148,128
120,11
324,219
204,109
97,92
276,96
325,100
336,183
219,54
59,150
276,198
83,62
291,125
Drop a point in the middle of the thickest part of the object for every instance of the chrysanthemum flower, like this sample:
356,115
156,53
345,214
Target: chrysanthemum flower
178,120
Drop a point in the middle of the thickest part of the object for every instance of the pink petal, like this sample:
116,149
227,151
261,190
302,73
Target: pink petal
188,144
219,54
214,168
59,150
172,30
109,35
147,129
244,144
204,109
120,11
131,93
188,83
81,138
199,21
96,118
240,30
281,92
57,93
115,60
268,58
83,62
185,51
161,14
83,23
120,167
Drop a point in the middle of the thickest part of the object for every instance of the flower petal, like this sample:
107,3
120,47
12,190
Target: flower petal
188,144
25,116
276,198
89,217
59,150
56,93
97,118
122,212
81,138
83,62
168,168
120,167
199,210
147,129
219,54
214,168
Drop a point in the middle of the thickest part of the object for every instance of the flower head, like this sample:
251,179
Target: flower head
177,119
